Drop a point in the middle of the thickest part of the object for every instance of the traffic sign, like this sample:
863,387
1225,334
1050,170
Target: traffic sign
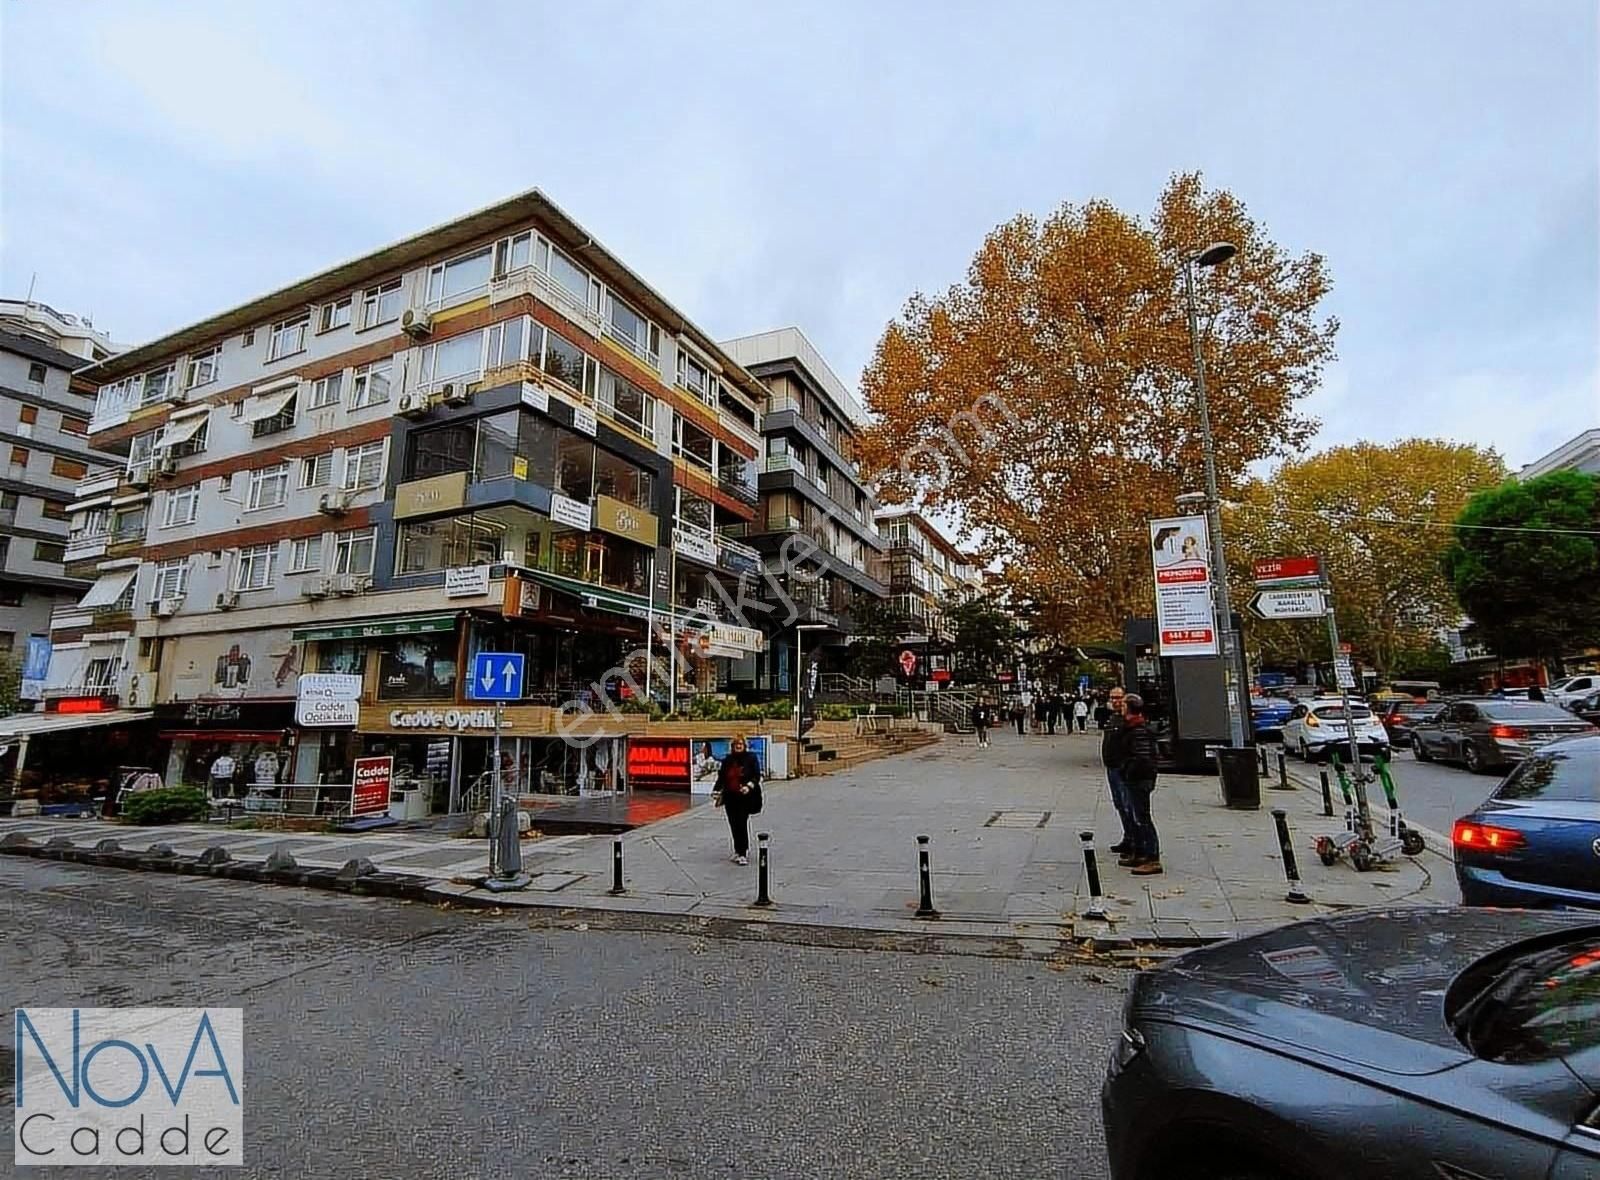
1269,570
497,676
1288,604
1343,673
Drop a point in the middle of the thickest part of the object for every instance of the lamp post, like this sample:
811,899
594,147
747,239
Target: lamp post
799,677
1215,255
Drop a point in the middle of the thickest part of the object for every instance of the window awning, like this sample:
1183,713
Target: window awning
617,602
20,725
377,628
268,405
181,430
85,505
108,588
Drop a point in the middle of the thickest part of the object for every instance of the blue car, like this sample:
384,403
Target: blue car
1536,840
1267,715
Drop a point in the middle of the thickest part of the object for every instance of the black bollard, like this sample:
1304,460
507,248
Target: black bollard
1261,755
1097,909
925,871
1283,771
1327,795
1290,869
763,898
616,867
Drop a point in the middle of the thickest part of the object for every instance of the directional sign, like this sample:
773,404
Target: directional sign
1288,604
497,676
1268,570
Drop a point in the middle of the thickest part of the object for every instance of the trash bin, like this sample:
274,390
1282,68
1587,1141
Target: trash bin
1239,774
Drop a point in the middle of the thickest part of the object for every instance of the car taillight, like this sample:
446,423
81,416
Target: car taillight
1487,836
1507,731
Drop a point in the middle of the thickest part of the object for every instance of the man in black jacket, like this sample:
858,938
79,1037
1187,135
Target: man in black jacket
1139,757
980,723
1111,757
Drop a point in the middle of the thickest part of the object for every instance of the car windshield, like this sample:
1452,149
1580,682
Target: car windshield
1336,713
1567,772
1523,711
1538,1004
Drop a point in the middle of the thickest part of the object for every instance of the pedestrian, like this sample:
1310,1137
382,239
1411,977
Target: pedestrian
1140,753
1050,712
1102,714
1112,756
1019,714
1535,693
1080,714
738,792
222,768
980,723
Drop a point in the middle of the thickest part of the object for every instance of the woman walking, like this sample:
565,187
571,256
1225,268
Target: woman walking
1080,714
738,792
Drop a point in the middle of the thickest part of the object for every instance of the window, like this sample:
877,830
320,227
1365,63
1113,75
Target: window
49,509
371,384
20,457
8,501
503,343
460,275
28,415
353,552
327,391
52,551
574,466
381,304
287,338
254,571
568,363
201,369
570,276
102,671
616,477
695,377
192,445
455,359
128,524
183,504
268,486
363,466
632,328
1568,773
305,554
316,471
155,386
335,315
172,580
77,426
37,373
1535,1002
692,443
249,338
627,403
279,422
68,468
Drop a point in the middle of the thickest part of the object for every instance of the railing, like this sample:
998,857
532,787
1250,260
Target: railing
86,545
726,542
611,332
736,487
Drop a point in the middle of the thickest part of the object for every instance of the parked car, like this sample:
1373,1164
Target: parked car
1536,840
1401,716
1573,688
1267,715
1491,733
1587,708
1386,1044
1318,726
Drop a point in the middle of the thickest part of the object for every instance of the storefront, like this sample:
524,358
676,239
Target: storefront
75,751
228,747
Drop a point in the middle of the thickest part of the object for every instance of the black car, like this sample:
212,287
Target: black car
1409,1044
1492,733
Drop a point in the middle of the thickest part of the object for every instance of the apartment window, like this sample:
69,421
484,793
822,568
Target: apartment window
268,486
28,415
512,254
570,276
128,524
183,505
626,402
503,343
279,422
371,384
155,386
8,501
305,555
460,275
287,338
568,363
363,466
37,373
353,552
49,509
201,369
101,673
254,571
77,426
692,443
316,471
616,477
192,445
52,551
381,304
172,580
335,315
456,359
632,328
248,339
695,377
327,391
20,457
68,468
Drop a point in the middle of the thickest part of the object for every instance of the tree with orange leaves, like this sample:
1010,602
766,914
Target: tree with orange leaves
1047,405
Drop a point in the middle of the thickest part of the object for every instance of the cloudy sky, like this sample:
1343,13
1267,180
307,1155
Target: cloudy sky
767,164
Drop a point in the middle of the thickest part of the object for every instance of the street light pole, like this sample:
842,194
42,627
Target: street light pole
1212,256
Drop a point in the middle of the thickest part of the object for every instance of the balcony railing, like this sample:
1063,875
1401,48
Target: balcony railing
735,486
81,546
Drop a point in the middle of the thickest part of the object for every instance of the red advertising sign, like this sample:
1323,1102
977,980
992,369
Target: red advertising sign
1288,569
908,661
370,795
658,764
941,674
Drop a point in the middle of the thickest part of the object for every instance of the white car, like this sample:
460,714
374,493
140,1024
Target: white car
1318,726
1573,689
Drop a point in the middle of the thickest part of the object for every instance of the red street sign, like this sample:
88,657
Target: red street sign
941,674
370,794
1287,569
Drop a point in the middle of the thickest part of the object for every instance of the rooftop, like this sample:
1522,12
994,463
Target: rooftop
1581,453
792,344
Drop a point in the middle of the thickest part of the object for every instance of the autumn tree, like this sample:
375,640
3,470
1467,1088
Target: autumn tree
1379,516
1046,403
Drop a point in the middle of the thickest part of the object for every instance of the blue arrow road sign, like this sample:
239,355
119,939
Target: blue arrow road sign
497,676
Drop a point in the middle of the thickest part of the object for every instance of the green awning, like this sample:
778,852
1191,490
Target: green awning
376,628
618,602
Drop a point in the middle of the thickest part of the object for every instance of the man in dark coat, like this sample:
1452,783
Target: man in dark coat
1112,755
1140,753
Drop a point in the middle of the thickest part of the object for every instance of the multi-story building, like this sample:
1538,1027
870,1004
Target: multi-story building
44,453
814,527
485,437
1579,453
928,573
71,334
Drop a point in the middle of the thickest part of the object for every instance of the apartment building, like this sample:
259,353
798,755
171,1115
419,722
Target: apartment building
74,335
927,574
491,436
1579,453
814,506
44,454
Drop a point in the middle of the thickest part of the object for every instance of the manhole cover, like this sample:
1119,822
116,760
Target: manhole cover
1018,819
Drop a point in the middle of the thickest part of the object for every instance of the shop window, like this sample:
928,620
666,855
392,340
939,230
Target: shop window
418,667
441,450
348,656
616,477
574,466
497,445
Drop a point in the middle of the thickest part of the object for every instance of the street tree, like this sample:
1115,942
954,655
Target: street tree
1379,516
1046,402
1525,564
879,628
985,637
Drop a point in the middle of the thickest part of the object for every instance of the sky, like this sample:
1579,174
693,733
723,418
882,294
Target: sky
764,164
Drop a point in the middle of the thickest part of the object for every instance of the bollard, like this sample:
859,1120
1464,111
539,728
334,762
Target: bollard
1290,869
925,869
763,898
1283,771
616,867
1261,756
1327,795
1096,909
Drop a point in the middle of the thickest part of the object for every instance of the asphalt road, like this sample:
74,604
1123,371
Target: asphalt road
384,1039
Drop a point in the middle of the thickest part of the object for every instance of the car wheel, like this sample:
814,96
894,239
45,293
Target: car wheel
1420,750
1471,759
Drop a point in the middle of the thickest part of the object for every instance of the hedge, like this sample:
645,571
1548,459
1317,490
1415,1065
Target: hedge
168,805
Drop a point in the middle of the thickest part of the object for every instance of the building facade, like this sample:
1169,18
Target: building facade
814,527
73,335
488,437
928,573
1579,453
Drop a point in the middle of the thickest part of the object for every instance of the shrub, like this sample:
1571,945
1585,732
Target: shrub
169,805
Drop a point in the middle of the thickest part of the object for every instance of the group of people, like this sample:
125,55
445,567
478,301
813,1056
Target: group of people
1129,751
1041,713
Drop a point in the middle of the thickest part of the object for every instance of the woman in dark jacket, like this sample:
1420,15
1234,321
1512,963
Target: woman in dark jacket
738,792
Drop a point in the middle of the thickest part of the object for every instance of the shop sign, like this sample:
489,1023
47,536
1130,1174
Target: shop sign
35,667
533,395
569,512
370,793
658,764
745,639
693,545
327,699
466,581
439,493
623,519
460,720
584,419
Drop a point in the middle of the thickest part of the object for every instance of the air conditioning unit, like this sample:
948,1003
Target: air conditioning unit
351,584
318,587
167,607
455,393
166,464
417,323
139,477
414,405
227,600
334,503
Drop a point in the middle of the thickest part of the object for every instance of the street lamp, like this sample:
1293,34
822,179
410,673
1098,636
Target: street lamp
799,677
1214,255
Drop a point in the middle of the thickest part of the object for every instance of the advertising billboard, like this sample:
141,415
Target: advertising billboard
1186,621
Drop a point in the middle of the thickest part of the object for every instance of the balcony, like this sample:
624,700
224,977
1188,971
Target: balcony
735,486
911,544
84,546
